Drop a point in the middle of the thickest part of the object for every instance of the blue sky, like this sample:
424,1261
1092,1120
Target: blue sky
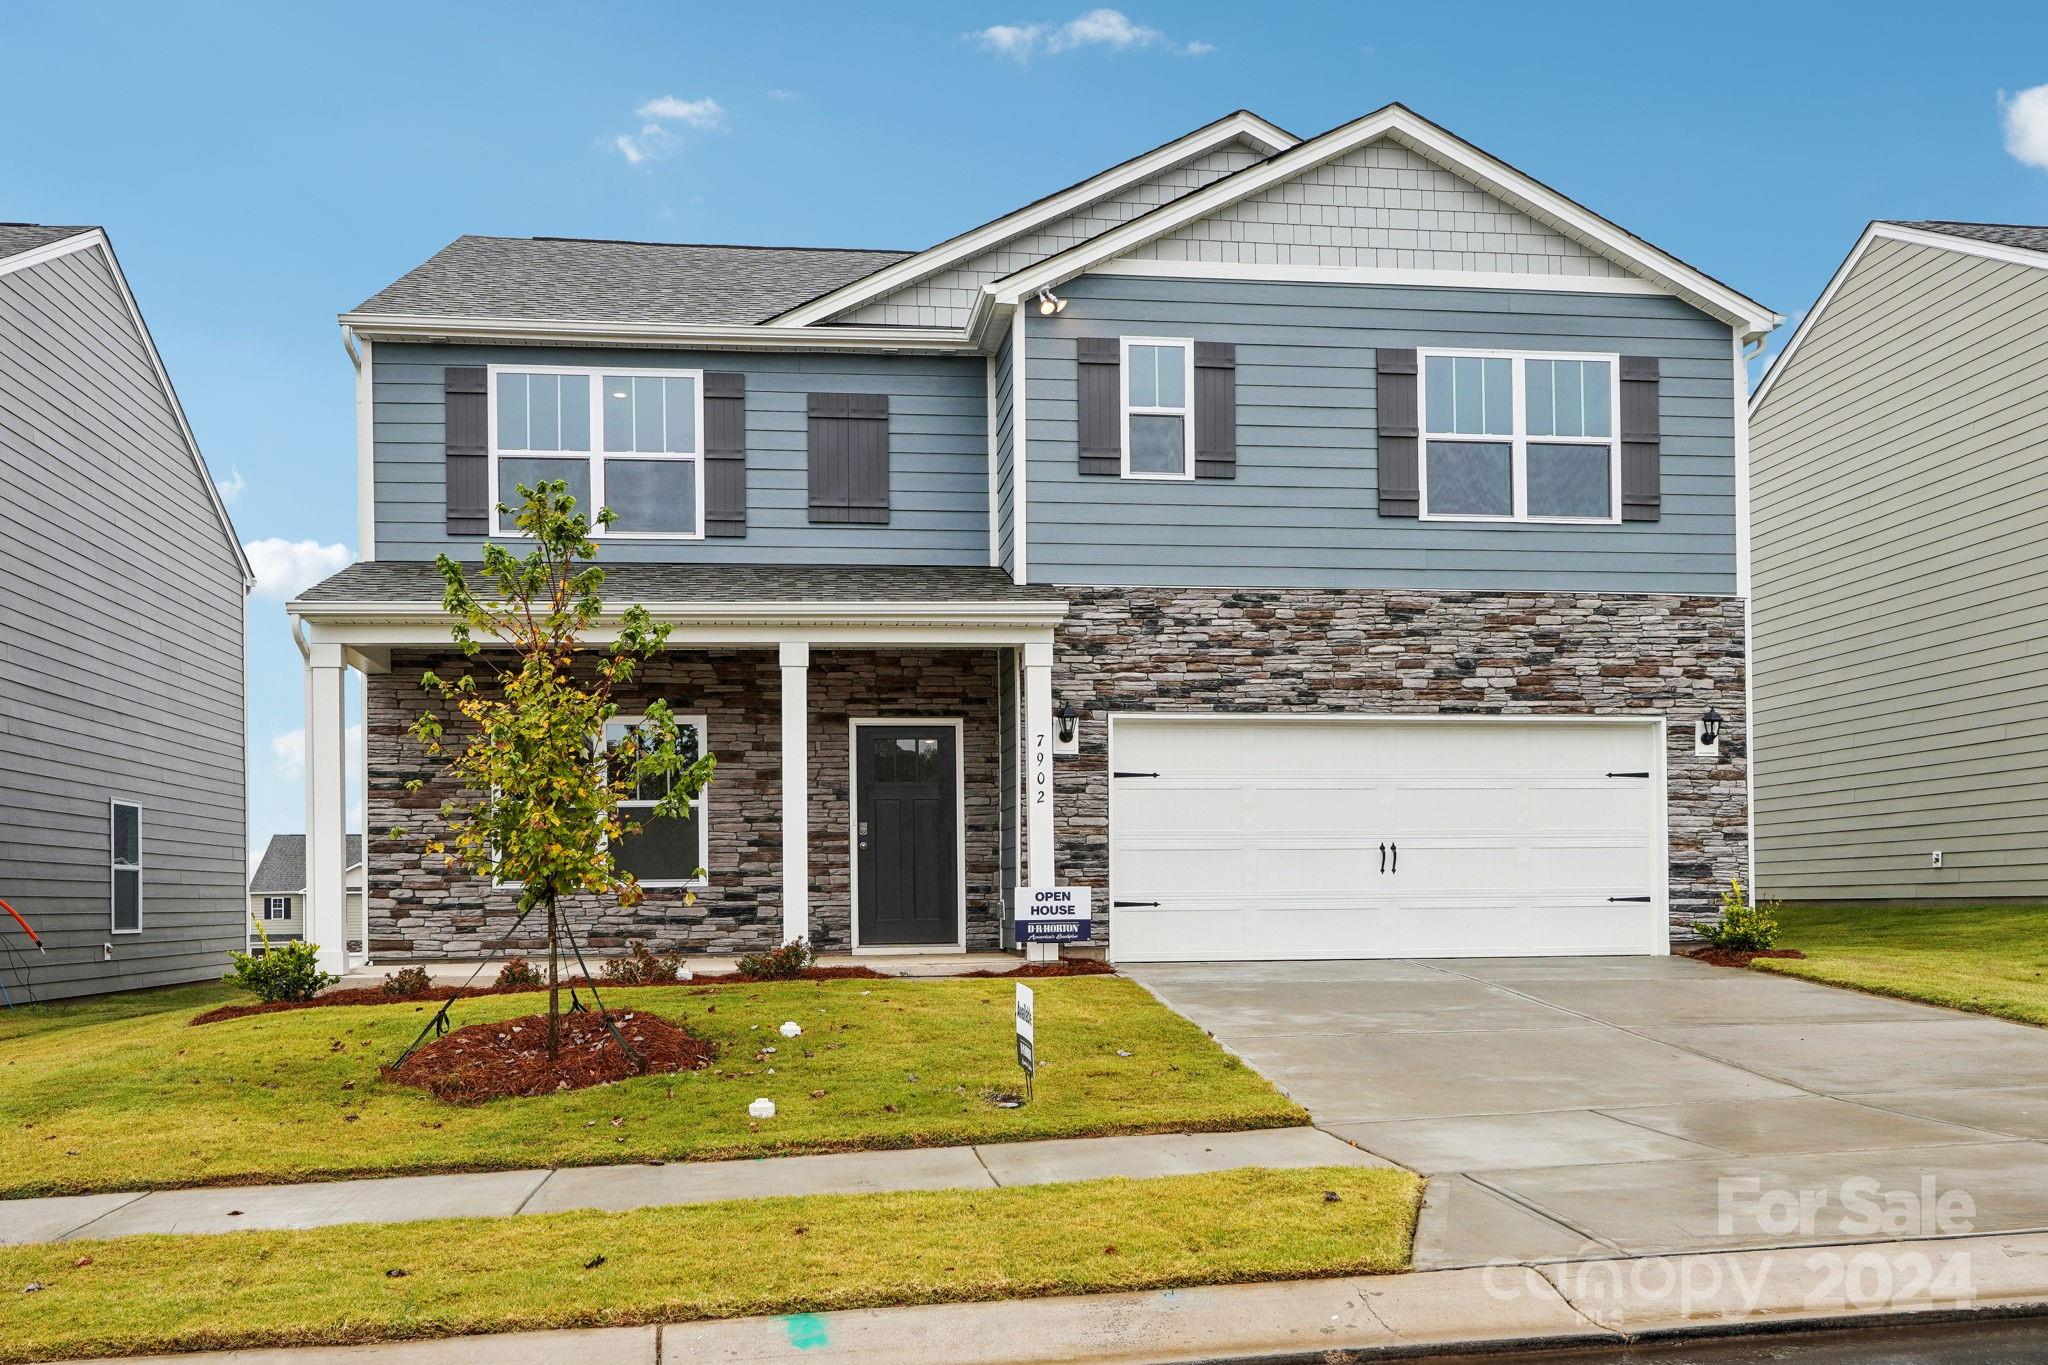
261,169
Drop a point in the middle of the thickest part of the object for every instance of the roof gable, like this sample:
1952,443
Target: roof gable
1556,218
58,243
1243,126
2012,243
283,868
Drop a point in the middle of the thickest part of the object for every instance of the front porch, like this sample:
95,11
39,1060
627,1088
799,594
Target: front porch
872,742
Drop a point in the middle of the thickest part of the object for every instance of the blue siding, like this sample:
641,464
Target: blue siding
1006,522
1302,511
938,454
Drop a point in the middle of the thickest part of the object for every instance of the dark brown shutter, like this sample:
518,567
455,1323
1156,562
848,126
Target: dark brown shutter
465,438
1215,410
725,454
1400,434
1098,395
849,450
1642,495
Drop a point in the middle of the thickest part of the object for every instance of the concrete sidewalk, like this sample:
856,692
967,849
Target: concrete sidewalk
409,1199
1476,1309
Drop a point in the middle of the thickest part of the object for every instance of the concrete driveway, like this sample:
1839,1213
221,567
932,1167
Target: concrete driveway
1575,1107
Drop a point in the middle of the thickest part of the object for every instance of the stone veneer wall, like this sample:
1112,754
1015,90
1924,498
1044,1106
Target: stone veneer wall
1415,653
419,908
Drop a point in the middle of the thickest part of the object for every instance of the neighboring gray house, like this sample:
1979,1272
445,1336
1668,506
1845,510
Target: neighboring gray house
122,791
277,892
1901,606
1322,547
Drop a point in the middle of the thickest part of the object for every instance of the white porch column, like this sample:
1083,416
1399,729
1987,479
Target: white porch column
327,805
796,792
1038,792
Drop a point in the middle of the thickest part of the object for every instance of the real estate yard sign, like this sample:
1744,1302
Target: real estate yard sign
1054,914
1025,1035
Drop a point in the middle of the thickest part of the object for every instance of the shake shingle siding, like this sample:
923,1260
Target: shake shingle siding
121,645
1303,508
938,455
1901,607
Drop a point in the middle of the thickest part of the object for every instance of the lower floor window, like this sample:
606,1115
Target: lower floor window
669,850
277,907
125,839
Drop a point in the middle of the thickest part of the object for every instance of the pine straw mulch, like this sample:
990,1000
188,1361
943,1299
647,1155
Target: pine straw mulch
372,995
510,1057
1729,957
1065,966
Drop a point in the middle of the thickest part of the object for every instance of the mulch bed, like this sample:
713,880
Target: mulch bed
1728,957
1065,966
367,995
510,1057
807,974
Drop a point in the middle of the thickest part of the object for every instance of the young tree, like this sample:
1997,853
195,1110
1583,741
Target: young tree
542,807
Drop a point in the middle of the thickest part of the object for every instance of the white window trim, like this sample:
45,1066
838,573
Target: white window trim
283,904
597,455
699,808
114,866
1186,412
1518,441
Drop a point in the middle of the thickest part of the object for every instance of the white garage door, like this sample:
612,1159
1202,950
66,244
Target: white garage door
1306,837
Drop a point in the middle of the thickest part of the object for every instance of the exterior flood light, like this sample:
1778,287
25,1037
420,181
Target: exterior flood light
1050,303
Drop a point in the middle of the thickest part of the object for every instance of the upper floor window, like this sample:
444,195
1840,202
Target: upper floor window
1158,413
277,907
630,440
125,857
1520,437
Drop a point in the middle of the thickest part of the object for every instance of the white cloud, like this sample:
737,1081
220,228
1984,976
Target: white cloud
704,113
231,487
2026,125
780,94
1108,29
659,117
284,568
288,747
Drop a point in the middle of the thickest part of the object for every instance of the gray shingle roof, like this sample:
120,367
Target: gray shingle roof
1998,234
283,869
557,278
16,238
406,581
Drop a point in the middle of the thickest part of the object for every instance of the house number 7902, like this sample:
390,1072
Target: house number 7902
1041,769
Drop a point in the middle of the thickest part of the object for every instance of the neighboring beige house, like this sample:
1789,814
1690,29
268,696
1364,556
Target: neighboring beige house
1900,539
277,892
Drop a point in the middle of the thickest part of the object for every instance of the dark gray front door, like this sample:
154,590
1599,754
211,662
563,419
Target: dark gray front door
907,834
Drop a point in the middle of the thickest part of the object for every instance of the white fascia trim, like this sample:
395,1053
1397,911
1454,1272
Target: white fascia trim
735,336
1436,279
1242,125
85,241
366,448
1990,251
1421,136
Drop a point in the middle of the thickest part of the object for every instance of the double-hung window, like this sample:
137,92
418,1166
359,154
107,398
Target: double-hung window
1158,408
124,830
277,907
631,440
1520,437
669,850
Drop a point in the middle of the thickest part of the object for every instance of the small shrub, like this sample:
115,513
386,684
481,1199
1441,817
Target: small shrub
518,972
284,971
408,983
642,966
1744,927
778,964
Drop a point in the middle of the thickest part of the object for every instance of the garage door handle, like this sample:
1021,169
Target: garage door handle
1383,859
1642,900
1121,905
1134,774
1397,858
1628,774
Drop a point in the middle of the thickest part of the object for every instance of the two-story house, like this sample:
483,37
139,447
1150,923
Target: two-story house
1320,548
123,787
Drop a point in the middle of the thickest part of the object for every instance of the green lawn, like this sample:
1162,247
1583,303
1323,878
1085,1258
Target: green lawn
1990,959
119,1096
793,1255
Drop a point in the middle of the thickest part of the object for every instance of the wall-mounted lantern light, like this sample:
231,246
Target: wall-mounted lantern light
1070,721
1707,739
1050,303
